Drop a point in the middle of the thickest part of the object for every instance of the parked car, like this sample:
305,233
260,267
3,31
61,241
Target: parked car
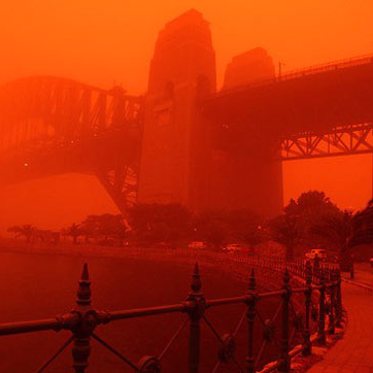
199,245
320,253
234,247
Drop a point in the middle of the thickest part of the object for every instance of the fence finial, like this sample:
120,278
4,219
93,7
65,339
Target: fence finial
308,272
286,277
196,279
252,280
83,297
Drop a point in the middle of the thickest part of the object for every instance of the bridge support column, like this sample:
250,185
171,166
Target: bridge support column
174,148
241,179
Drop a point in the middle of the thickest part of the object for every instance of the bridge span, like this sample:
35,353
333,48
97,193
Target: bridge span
184,141
319,111
52,125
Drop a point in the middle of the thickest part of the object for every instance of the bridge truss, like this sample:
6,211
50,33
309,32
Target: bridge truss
355,139
52,125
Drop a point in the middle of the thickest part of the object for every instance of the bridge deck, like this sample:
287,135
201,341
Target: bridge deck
354,353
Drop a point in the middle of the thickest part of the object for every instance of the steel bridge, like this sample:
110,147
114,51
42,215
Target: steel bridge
320,111
51,125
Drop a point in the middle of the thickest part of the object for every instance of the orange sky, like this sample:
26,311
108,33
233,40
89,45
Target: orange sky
107,42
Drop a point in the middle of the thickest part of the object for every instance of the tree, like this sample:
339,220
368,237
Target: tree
210,227
74,230
308,210
335,231
156,222
362,227
285,229
26,230
223,226
107,227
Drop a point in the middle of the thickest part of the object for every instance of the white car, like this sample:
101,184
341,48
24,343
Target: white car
197,245
233,247
320,253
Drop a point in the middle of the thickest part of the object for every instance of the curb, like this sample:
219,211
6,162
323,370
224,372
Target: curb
358,284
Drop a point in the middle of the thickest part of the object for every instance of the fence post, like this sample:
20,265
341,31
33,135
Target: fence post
250,321
284,365
316,267
331,326
307,345
321,323
197,308
339,307
83,330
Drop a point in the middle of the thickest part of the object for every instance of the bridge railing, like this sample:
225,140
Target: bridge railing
299,73
333,65
319,286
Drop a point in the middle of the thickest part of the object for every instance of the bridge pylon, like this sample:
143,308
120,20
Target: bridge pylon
181,162
175,151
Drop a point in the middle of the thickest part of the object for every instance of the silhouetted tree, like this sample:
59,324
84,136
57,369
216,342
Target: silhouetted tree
310,208
74,230
160,222
26,231
285,229
223,226
335,231
110,228
362,230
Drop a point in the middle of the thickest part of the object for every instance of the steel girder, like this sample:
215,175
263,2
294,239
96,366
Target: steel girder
51,125
356,139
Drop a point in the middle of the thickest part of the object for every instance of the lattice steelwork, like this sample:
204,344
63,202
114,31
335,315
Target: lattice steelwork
52,125
357,139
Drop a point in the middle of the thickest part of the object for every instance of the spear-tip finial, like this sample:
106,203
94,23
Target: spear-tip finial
196,279
252,280
286,277
85,273
83,296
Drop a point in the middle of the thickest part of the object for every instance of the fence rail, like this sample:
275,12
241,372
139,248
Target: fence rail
318,285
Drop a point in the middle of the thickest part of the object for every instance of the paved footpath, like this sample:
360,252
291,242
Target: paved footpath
353,353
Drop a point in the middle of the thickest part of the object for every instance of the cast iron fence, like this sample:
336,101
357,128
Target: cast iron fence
319,286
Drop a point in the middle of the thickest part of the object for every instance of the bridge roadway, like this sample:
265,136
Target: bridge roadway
354,353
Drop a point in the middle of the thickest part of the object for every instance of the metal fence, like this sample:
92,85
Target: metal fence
319,287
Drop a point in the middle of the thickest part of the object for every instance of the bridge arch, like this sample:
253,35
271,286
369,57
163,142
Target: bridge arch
51,125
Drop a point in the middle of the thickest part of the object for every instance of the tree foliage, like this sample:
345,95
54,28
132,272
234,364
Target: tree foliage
296,226
285,229
26,231
160,222
362,230
75,231
335,230
309,209
224,226
105,228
